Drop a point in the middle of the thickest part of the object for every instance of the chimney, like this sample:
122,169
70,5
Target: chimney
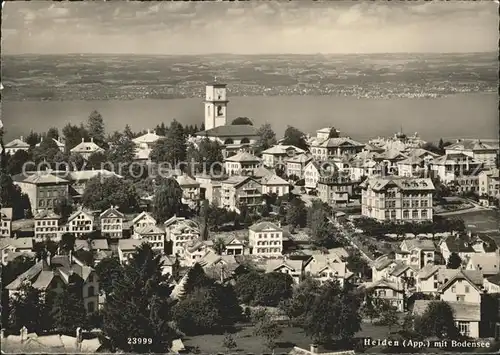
92,139
48,258
21,138
83,140
149,131
314,349
3,334
24,334
70,257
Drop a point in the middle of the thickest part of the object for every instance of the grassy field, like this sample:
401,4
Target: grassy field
248,343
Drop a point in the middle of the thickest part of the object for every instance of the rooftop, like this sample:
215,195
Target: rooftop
243,157
230,131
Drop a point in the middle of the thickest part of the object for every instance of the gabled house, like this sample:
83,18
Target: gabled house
467,245
467,316
488,265
492,284
5,222
195,250
80,223
390,291
48,226
462,286
416,252
449,166
411,167
112,223
273,184
234,246
52,273
237,191
404,276
482,150
190,189
294,268
142,220
58,142
381,267
324,269
428,280
329,148
16,145
86,149
243,163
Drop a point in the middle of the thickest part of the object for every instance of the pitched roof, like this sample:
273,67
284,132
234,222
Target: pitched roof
17,143
336,142
262,171
420,152
18,243
243,157
403,183
429,270
411,161
78,213
40,177
261,226
382,262
185,180
488,264
453,158
57,142
101,244
151,229
462,311
495,279
283,149
474,277
83,175
338,268
382,283
141,215
46,214
230,131
149,137
274,180
299,158
391,154
112,212
422,244
474,144
86,147
459,244
6,213
129,244
400,268
238,180
275,264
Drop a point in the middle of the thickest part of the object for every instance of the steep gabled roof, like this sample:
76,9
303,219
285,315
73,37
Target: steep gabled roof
262,226
142,215
243,157
17,143
112,212
273,180
474,278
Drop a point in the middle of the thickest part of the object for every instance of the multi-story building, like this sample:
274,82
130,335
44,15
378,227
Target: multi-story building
10,248
488,265
47,226
365,167
295,165
5,222
242,163
144,144
489,185
336,189
450,166
80,223
86,149
323,269
240,190
294,268
325,149
411,167
181,232
481,150
277,155
190,189
416,252
466,183
265,238
153,235
44,189
111,222
273,184
382,267
389,160
467,245
395,198
389,291
52,273
16,145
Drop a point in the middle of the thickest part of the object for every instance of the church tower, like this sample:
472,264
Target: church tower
215,106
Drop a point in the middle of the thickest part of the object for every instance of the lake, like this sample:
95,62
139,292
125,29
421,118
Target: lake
450,117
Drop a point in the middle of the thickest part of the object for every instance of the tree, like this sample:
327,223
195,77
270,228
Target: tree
11,196
269,330
101,193
52,133
388,313
68,242
167,200
273,288
246,286
357,264
219,246
96,160
139,306
95,128
296,213
73,135
27,309
454,261
33,139
121,153
267,138
299,305
64,208
242,121
205,155
228,343
323,232
294,137
46,151
69,311
204,219
437,321
108,270
16,162
333,133
172,149
332,300
127,132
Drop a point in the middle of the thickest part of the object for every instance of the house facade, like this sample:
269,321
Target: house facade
265,238
237,191
181,232
295,165
86,149
5,222
111,222
47,226
80,223
273,184
277,155
242,163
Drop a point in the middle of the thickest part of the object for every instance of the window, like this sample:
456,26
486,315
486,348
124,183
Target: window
91,307
467,289
91,278
91,291
394,293
453,289
460,298
406,214
414,214
219,110
381,293
464,328
424,213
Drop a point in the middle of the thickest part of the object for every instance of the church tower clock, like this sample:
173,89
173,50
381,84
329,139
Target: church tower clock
215,105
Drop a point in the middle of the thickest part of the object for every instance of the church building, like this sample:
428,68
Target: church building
234,138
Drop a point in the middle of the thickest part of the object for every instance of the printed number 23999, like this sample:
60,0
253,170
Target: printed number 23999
140,341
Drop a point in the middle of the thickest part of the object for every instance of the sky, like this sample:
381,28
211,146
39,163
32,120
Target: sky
254,27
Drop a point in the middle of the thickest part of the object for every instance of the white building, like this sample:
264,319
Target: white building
145,143
295,165
153,235
142,220
112,223
450,166
181,232
265,238
86,149
273,184
484,151
80,223
277,155
242,163
47,226
190,189
17,144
